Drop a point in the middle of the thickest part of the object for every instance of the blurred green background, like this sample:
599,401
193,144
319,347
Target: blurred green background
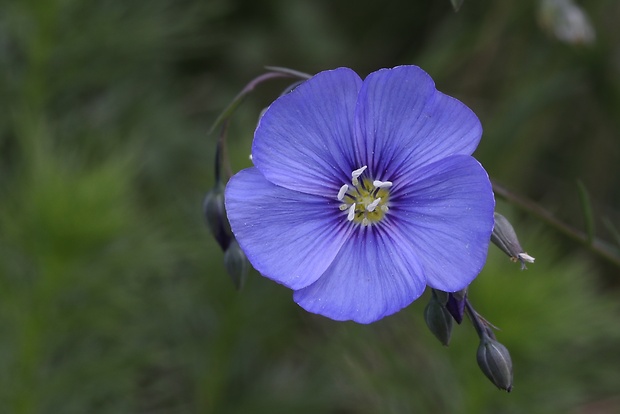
113,297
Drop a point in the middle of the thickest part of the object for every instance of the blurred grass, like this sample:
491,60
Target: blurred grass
113,297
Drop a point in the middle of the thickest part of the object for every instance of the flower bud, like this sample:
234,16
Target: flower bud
215,215
505,238
494,361
236,264
438,319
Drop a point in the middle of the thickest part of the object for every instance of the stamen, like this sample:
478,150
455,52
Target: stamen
343,191
382,184
365,200
351,214
372,206
356,173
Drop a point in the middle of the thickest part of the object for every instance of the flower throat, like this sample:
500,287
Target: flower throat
366,200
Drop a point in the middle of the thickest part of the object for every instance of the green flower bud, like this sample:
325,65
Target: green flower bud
438,319
441,296
236,264
215,215
505,238
494,361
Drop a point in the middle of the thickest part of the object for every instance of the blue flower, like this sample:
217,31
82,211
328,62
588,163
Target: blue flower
363,193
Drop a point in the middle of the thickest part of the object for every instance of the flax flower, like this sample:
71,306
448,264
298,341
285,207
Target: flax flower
364,192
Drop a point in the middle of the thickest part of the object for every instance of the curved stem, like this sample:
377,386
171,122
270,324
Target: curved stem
221,153
245,92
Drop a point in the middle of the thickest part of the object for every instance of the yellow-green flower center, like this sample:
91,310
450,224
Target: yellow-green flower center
365,201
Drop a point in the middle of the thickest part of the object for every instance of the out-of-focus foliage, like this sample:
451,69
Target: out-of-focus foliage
566,21
113,296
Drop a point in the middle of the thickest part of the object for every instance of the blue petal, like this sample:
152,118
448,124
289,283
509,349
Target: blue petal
372,277
445,210
304,141
288,236
401,119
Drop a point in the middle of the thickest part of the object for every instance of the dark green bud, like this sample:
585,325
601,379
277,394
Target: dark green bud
215,215
441,296
236,264
505,238
494,361
438,319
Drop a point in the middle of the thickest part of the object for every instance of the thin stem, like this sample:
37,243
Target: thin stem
221,153
292,72
480,326
597,246
245,92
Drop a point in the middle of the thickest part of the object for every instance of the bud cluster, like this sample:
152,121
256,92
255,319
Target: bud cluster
443,308
493,357
214,209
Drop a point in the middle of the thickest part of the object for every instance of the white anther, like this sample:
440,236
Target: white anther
356,173
343,207
351,214
365,222
382,184
526,257
384,208
343,191
373,205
